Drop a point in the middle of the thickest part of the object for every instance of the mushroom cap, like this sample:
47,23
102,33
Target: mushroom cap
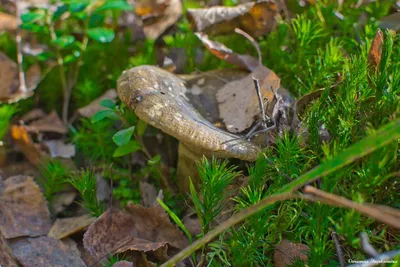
158,98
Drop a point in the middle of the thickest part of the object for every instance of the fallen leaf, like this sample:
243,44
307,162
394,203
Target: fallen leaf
34,114
123,264
242,93
222,52
7,22
159,98
23,208
58,149
145,8
61,201
159,24
50,123
24,142
148,194
255,18
94,107
391,22
45,251
9,80
67,226
287,252
136,229
203,87
375,52
6,256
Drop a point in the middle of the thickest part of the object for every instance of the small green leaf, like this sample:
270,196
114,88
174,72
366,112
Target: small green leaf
131,147
31,17
107,103
102,35
102,114
115,5
59,12
122,137
77,7
156,159
44,56
72,57
141,127
33,27
64,41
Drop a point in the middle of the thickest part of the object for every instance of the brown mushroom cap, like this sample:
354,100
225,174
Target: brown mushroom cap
158,98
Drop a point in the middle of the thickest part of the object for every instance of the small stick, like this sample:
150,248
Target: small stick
253,42
260,102
367,247
18,40
339,251
369,210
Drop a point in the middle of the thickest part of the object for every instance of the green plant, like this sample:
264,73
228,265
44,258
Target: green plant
56,28
6,113
53,177
85,182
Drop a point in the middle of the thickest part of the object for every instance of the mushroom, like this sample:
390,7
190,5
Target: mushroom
161,99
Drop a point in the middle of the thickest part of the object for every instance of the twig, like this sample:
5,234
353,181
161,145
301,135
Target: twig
253,42
18,40
238,217
339,251
369,210
367,247
384,257
260,100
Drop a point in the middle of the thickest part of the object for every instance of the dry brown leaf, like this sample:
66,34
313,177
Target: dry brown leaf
391,22
136,229
238,101
145,8
91,109
7,22
34,114
255,18
123,264
159,24
45,251
23,140
58,149
50,123
9,81
159,98
375,52
222,52
6,256
287,252
67,226
23,208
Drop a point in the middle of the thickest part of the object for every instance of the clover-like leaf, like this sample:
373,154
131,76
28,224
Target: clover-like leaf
122,137
131,147
102,114
102,35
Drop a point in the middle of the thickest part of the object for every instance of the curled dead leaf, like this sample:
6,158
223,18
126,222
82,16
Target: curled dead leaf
45,251
255,18
375,52
50,123
158,16
65,227
23,208
287,252
222,52
137,229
